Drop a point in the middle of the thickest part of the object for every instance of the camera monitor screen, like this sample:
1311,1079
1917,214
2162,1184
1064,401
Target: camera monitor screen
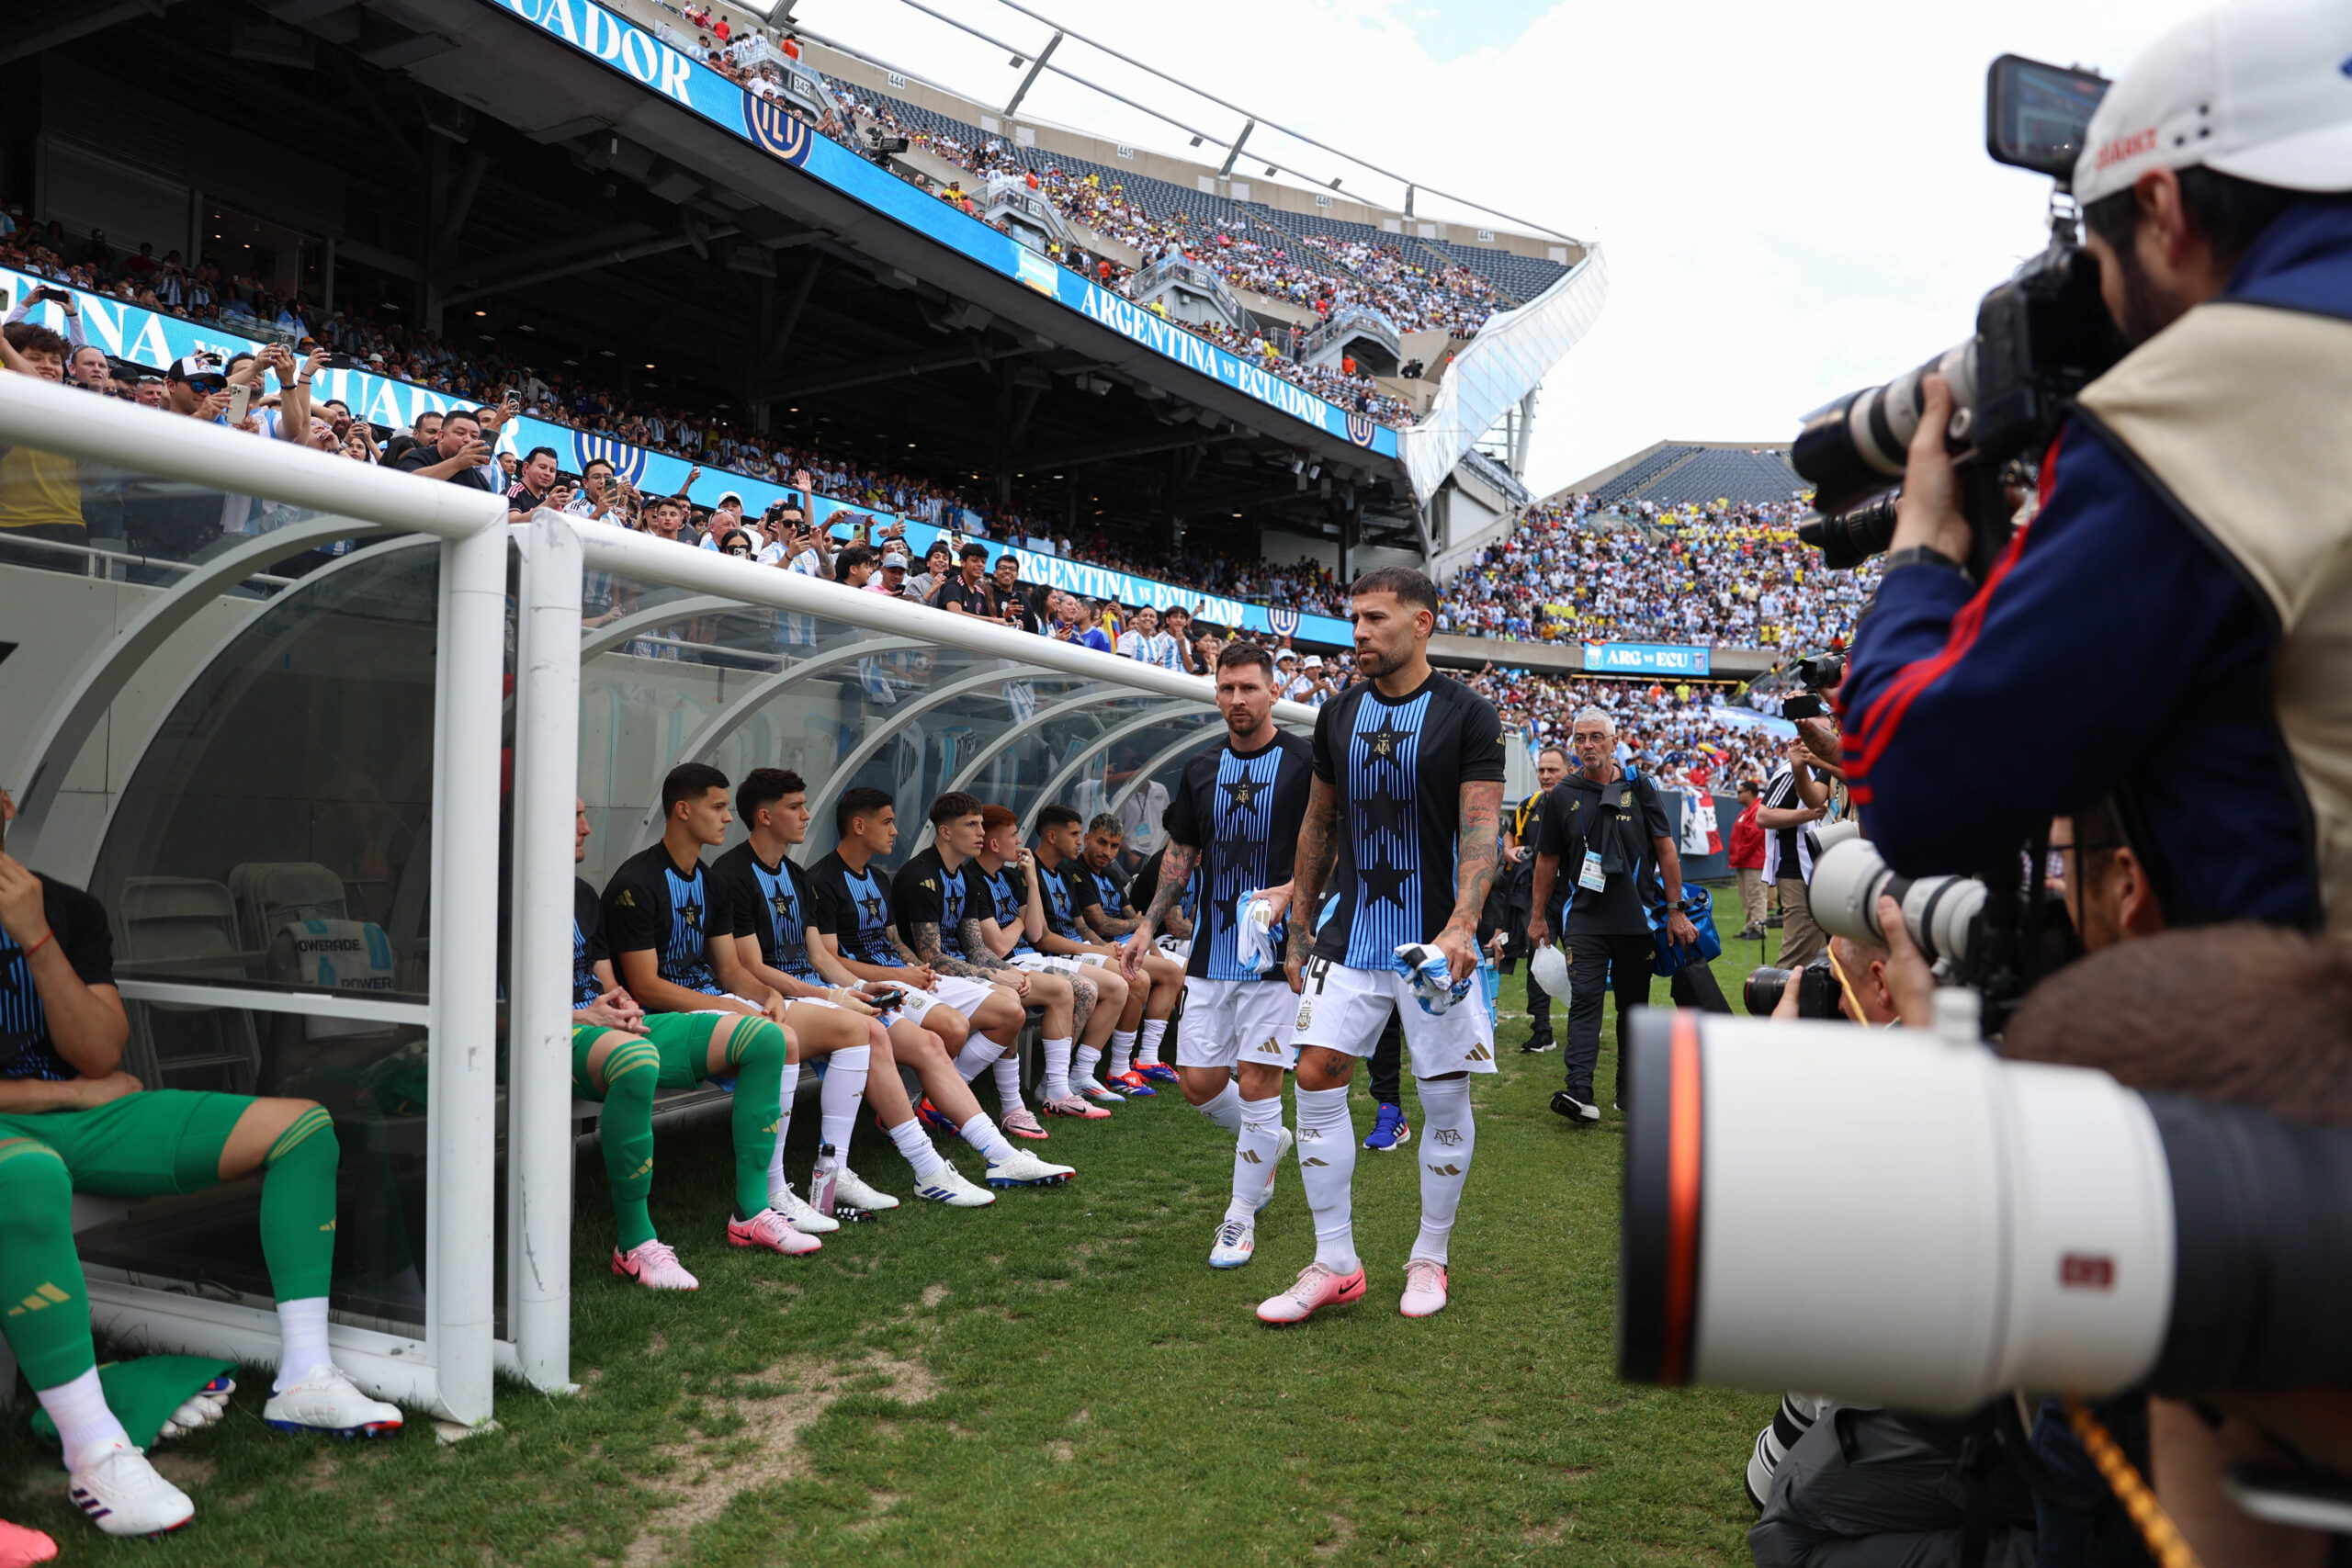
2036,115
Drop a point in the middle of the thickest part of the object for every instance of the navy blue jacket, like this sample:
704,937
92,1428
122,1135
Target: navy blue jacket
2109,648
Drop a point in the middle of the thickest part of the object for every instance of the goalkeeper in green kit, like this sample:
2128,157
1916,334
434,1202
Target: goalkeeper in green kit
72,1119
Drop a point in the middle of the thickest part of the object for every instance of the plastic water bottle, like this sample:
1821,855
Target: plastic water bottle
822,1179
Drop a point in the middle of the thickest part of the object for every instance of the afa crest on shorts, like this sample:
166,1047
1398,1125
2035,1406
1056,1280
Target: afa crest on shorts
628,461
1283,619
1360,429
774,128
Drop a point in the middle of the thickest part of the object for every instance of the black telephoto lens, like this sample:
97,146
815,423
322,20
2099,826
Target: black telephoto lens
1763,992
1848,539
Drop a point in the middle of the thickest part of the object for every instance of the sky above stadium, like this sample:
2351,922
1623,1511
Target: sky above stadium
1794,200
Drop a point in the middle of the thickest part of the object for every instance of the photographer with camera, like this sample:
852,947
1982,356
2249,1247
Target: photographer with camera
2170,626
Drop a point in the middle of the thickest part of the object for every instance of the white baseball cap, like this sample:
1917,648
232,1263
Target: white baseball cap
2259,89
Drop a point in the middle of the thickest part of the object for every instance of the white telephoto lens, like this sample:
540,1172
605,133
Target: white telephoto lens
1957,1225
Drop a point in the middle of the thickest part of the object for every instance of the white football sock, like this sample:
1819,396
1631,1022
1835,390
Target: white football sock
1008,1082
302,1336
1122,1047
1147,1043
1054,1083
1256,1145
982,1135
1327,1169
1225,1109
917,1148
1449,1136
976,1054
788,1089
79,1408
844,1086
1082,1068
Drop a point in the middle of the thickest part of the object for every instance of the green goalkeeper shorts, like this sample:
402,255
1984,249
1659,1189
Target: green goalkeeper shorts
683,1038
154,1142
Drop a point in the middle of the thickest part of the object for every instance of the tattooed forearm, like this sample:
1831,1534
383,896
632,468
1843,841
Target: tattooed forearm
1106,925
1473,854
928,951
976,945
1311,866
1175,870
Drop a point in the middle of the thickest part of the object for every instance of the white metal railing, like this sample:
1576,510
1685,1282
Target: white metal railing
453,1373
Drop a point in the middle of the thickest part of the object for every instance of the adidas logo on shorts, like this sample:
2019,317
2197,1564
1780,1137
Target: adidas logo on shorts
1314,1159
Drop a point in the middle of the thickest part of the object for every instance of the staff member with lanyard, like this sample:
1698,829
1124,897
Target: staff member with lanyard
1610,830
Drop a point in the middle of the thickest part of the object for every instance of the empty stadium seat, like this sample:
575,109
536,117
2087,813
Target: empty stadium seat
186,928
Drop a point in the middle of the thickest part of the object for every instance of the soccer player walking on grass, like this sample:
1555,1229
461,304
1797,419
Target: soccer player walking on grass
1402,823
1233,823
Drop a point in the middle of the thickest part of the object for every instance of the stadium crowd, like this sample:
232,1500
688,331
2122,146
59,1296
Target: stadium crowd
1733,574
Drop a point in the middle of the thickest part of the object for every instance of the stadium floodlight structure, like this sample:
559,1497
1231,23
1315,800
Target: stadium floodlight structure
1253,120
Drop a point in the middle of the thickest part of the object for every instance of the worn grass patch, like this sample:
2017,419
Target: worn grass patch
1058,1380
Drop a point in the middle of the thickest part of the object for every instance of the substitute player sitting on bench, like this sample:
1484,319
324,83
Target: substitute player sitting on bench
672,940
71,1119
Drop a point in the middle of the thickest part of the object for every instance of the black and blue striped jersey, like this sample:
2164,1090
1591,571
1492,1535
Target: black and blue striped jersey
1241,810
587,943
78,925
651,906
926,892
772,903
1000,892
853,909
1069,891
1399,765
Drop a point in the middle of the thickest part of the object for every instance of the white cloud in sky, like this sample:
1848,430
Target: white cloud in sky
1794,199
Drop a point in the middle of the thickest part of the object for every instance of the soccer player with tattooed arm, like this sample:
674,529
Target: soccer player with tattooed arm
1403,824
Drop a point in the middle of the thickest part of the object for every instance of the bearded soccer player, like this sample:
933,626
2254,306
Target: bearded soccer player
856,943
72,1119
769,899
928,895
1005,917
670,939
1402,824
1233,823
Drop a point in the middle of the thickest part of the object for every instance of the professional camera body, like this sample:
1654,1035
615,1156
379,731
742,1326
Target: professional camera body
2041,336
1997,936
1816,984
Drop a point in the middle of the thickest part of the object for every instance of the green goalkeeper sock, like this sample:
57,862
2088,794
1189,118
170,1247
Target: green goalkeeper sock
47,1319
755,1053
298,1207
632,1074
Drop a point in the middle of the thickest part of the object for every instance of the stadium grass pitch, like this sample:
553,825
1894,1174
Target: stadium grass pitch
1059,1379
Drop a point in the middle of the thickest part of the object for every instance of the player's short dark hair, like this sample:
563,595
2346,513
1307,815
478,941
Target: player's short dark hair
1410,587
1232,655
763,787
954,807
535,453
1057,816
689,781
863,801
1107,822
